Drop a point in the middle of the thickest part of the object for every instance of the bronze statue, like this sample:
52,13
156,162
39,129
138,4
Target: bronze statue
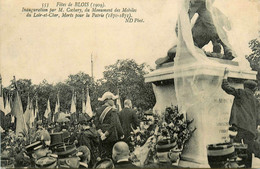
203,32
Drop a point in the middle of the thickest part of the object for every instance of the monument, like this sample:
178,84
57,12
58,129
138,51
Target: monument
193,82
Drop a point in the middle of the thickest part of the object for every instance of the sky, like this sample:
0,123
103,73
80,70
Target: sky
53,48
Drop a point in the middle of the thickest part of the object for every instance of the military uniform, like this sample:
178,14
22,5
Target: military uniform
110,124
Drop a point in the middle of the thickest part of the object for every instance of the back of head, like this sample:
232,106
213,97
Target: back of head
120,151
128,103
250,84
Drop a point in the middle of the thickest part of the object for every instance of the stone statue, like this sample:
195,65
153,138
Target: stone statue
203,32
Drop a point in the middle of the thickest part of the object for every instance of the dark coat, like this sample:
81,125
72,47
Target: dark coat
245,110
90,138
111,124
125,164
128,118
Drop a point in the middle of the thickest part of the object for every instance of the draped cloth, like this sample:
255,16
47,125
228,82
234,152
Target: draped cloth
189,90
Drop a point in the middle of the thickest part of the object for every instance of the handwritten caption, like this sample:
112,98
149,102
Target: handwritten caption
78,10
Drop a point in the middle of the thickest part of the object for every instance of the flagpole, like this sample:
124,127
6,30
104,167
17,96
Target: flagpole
20,116
59,101
1,87
92,67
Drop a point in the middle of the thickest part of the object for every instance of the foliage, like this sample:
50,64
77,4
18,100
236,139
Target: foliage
128,77
125,75
254,57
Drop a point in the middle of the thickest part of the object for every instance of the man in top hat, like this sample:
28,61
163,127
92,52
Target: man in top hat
89,137
121,154
244,113
108,124
128,119
68,156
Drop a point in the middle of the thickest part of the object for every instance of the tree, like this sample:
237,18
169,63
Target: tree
254,57
79,82
128,77
25,88
45,91
125,75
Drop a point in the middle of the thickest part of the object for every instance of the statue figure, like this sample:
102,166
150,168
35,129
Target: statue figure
203,32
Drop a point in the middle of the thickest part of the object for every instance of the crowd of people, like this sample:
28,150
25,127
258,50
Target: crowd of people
111,138
102,141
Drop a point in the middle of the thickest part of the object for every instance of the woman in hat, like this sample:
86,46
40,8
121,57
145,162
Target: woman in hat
108,123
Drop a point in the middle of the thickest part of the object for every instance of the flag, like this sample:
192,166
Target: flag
83,103
12,106
18,112
88,105
57,109
118,102
37,110
2,110
8,116
73,104
27,113
32,117
2,106
48,109
7,106
12,119
57,106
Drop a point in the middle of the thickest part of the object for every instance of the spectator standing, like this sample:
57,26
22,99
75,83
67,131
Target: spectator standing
89,137
128,119
244,113
108,124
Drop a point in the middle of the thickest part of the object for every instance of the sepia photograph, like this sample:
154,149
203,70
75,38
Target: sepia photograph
130,83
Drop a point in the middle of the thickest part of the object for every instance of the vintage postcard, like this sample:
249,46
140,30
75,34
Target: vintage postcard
70,69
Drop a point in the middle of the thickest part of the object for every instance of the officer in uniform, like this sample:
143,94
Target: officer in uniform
37,150
108,124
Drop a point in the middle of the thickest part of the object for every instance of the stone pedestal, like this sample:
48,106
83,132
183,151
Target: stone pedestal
210,118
